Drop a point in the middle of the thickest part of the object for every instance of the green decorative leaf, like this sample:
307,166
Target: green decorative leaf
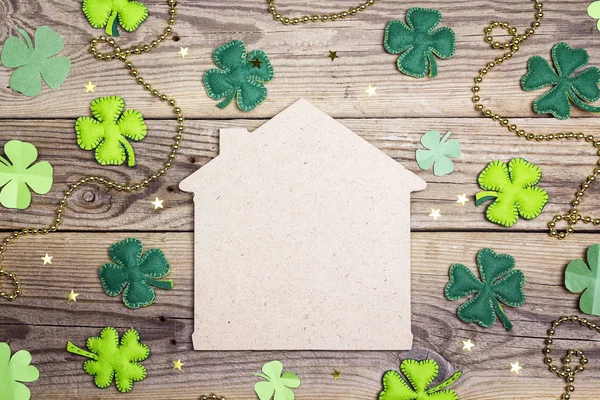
594,11
15,370
579,277
106,13
438,153
276,384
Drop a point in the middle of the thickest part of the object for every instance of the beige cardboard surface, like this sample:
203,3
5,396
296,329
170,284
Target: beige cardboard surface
302,240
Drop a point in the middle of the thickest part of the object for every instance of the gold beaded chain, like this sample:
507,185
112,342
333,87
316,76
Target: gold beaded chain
567,372
212,397
573,216
315,17
123,55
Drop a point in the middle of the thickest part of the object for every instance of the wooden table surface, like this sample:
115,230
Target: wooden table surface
42,321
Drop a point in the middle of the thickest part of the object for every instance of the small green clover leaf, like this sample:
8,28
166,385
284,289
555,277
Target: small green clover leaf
134,272
420,374
579,277
34,63
594,11
109,131
18,174
500,282
418,42
566,87
438,153
513,190
104,13
15,370
276,384
110,359
241,74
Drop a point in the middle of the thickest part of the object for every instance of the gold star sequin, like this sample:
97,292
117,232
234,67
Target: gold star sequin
72,296
371,91
256,62
47,259
468,345
333,55
515,367
336,374
183,51
462,198
89,87
157,203
435,214
178,364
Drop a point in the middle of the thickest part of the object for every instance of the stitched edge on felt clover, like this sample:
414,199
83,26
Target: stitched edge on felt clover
511,166
503,277
128,28
405,364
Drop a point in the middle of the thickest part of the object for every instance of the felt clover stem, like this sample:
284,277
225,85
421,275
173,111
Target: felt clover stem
71,348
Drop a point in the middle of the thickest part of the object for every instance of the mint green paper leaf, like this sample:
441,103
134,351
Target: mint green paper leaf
13,371
33,61
438,153
581,277
109,13
594,11
276,384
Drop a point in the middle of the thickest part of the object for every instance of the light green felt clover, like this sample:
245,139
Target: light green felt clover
276,384
13,371
567,87
18,174
513,190
241,75
594,11
420,375
109,131
134,273
104,13
438,153
110,359
418,42
500,282
33,63
579,277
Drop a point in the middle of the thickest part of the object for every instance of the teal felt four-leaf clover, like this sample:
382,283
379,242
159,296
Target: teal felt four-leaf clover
13,371
275,383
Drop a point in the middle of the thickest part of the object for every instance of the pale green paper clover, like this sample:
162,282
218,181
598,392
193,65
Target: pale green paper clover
13,371
276,384
594,11
438,153
579,277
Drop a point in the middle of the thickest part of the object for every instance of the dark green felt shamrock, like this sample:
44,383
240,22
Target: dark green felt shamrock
567,87
418,42
134,271
500,282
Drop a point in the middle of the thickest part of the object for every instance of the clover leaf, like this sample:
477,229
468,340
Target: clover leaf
18,174
111,359
418,42
241,75
15,370
579,277
594,12
276,384
500,283
420,375
566,87
109,131
104,13
513,190
34,63
438,153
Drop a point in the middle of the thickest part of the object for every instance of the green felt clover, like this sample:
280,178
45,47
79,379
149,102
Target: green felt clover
438,153
418,42
109,131
500,282
579,277
420,375
104,13
513,190
111,359
241,75
567,87
33,63
276,384
18,174
13,371
134,273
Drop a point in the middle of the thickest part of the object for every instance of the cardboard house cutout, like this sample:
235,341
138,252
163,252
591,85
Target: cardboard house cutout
302,240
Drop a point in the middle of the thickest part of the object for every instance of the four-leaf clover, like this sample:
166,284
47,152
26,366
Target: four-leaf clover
581,278
15,370
513,190
438,153
418,42
499,282
241,74
276,384
566,88
594,12
106,13
109,131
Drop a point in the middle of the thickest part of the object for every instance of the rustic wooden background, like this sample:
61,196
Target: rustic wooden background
42,321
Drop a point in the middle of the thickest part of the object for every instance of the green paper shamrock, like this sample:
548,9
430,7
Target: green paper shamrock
241,74
594,11
438,153
500,282
134,272
420,374
104,13
577,88
15,370
34,63
513,190
418,42
275,383
109,131
581,278
109,359
18,174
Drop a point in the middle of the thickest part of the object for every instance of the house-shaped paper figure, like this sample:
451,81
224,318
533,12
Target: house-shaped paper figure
302,240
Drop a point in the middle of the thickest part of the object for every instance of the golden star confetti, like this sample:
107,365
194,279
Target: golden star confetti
333,55
72,296
336,374
183,51
47,259
462,199
435,214
89,87
371,91
468,345
178,364
158,203
256,63
515,367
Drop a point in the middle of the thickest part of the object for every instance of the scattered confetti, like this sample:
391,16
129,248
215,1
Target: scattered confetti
371,91
515,367
89,87
256,62
72,296
183,51
47,259
435,214
462,199
158,203
468,345
336,374
333,55
178,364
